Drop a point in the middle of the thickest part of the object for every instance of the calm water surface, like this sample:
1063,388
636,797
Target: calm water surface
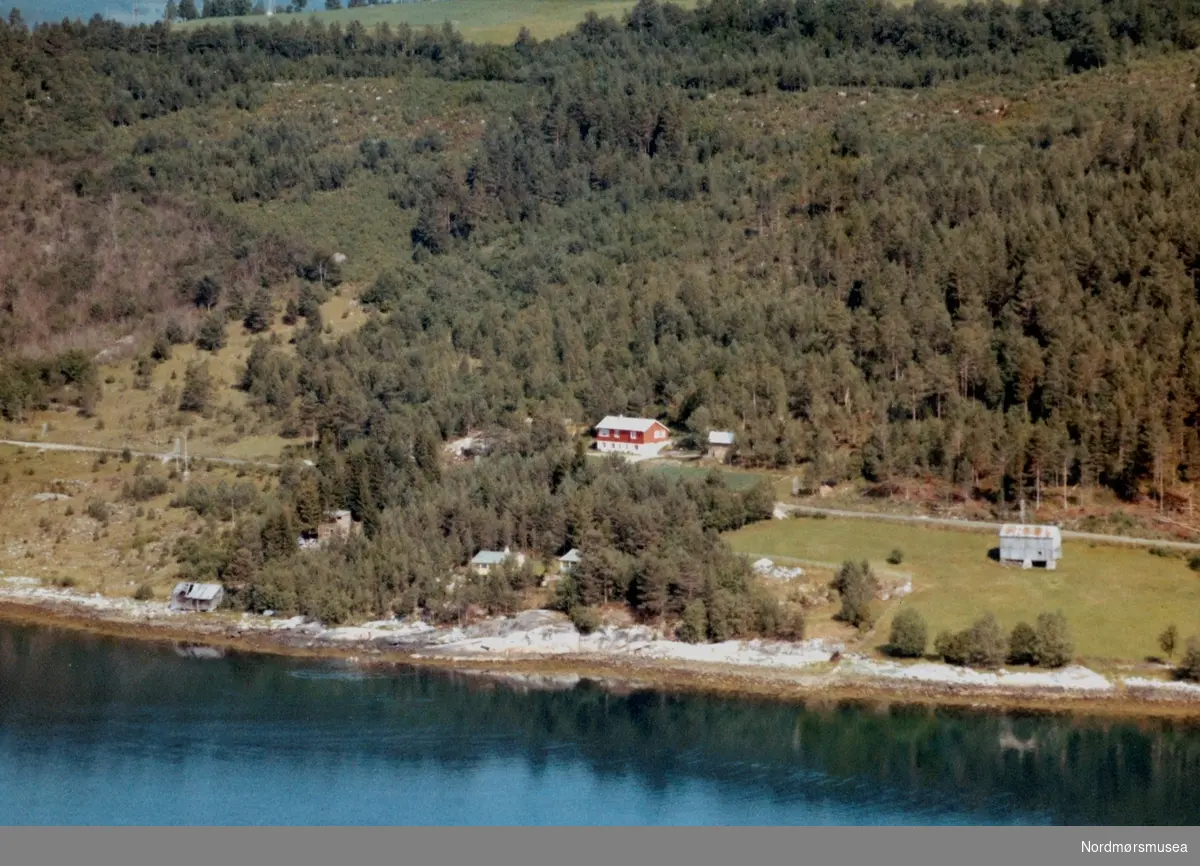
100,731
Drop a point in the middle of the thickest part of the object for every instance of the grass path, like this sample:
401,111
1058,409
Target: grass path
164,457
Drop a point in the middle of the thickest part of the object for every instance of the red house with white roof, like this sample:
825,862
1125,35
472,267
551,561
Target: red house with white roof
642,436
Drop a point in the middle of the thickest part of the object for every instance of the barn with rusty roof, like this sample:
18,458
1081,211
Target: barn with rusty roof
1030,545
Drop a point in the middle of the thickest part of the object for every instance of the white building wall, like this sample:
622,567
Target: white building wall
1035,549
649,449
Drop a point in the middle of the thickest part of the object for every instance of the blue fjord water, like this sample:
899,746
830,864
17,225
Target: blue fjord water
101,731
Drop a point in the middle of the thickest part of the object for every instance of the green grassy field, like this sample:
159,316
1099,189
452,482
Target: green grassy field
495,21
1117,600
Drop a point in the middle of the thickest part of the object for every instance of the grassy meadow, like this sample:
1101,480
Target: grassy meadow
149,420
481,21
1117,600
62,542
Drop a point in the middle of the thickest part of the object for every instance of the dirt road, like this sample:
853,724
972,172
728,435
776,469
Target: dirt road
986,525
164,457
788,507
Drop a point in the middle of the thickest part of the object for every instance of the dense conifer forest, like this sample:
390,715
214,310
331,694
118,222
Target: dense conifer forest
761,215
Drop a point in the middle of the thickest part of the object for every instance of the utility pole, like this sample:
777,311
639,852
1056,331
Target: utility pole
185,459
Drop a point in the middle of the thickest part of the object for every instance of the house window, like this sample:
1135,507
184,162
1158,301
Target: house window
603,434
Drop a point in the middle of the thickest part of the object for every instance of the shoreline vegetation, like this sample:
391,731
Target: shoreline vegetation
932,254
542,649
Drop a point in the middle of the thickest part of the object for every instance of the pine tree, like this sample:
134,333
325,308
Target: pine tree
652,586
211,336
427,453
259,313
197,392
596,573
207,291
694,626
279,534
241,568
307,499
856,584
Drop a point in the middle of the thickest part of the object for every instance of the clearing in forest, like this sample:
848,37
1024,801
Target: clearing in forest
479,21
1117,600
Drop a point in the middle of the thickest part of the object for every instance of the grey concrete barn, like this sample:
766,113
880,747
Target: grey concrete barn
1030,545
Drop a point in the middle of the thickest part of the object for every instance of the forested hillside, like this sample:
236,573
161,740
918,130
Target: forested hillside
878,241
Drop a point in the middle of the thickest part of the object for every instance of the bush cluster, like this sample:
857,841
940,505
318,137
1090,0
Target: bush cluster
984,644
144,487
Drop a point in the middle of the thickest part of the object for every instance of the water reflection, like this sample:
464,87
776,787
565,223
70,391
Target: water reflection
251,738
198,651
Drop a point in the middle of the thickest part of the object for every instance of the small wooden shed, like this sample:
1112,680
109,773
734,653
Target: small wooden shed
719,443
484,561
337,524
196,597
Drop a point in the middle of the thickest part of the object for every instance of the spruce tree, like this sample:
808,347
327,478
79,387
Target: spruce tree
260,314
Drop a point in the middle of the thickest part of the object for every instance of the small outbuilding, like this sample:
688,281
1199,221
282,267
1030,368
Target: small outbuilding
337,524
484,561
719,443
568,561
1030,545
196,597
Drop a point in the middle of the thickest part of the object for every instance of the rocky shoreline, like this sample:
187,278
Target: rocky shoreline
543,649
